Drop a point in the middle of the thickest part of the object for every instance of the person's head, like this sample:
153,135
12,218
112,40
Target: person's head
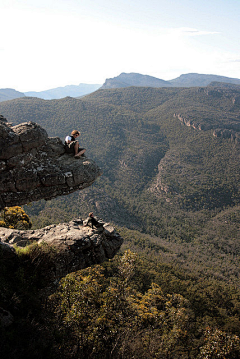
75,133
91,214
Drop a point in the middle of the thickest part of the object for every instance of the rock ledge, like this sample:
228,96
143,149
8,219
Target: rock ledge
34,166
77,246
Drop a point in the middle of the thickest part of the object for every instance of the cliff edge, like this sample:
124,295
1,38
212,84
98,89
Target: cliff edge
34,166
75,246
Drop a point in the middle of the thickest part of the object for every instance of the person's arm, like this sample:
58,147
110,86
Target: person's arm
87,221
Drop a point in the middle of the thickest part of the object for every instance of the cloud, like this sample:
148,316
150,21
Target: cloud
236,60
231,58
193,32
196,32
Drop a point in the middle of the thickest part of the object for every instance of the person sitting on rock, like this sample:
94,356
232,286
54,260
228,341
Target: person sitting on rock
72,146
91,221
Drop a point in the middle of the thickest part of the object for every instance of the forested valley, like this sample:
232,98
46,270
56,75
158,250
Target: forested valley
170,186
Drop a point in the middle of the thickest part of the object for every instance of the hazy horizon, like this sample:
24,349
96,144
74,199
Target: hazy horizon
54,44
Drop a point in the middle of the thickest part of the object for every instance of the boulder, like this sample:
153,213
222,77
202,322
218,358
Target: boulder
75,246
34,166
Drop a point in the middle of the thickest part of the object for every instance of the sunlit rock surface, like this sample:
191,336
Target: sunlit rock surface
34,166
76,246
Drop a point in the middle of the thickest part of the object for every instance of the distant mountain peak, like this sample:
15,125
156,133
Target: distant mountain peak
68,90
123,80
134,79
195,79
9,94
185,80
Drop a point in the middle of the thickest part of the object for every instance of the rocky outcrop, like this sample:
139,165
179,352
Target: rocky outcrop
34,166
74,245
227,133
231,133
191,123
236,100
161,187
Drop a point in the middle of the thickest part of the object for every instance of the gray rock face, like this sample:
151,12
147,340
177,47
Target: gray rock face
231,133
76,246
191,123
34,166
227,133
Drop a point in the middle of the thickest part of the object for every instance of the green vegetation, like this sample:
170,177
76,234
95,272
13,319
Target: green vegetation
173,193
130,306
153,165
176,184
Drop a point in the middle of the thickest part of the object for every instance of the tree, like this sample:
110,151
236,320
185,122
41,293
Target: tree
97,317
220,345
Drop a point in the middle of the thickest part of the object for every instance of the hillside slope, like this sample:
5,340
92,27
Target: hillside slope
158,140
170,161
171,175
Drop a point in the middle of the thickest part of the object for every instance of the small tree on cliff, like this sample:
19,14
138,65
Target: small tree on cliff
15,218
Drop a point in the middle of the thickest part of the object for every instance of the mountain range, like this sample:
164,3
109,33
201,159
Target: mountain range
185,80
121,81
60,92
55,93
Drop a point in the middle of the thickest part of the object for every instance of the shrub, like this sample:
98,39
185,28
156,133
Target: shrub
16,218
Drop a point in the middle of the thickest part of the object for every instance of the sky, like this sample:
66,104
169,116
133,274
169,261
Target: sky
46,44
